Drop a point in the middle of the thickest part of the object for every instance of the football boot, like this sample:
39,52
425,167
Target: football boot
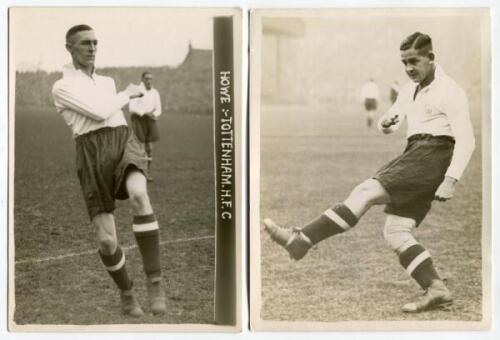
293,240
437,296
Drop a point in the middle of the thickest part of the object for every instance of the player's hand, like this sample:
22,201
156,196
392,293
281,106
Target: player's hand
388,122
446,189
134,91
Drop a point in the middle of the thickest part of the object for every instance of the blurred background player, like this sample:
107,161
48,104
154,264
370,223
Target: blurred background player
440,145
370,96
110,164
393,91
145,111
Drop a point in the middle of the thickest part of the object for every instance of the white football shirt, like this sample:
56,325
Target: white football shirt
149,102
88,103
439,109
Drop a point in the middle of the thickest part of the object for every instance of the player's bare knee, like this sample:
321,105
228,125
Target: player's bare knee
368,192
107,244
398,232
139,200
106,233
138,193
106,237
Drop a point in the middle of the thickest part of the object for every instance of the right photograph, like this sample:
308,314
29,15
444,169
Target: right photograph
370,176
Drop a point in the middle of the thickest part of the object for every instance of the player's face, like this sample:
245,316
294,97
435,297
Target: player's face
147,79
417,66
83,48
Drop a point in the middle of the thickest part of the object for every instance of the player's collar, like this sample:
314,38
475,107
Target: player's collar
69,70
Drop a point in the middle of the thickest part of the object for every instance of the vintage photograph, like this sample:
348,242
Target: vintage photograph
112,167
370,169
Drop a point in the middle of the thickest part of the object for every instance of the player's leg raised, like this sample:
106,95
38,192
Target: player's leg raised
336,220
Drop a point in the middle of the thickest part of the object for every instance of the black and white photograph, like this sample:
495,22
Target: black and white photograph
370,180
114,169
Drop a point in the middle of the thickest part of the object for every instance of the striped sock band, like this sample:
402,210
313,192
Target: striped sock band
333,221
147,235
115,265
418,264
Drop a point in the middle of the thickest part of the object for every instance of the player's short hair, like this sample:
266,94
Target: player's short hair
75,29
418,41
146,72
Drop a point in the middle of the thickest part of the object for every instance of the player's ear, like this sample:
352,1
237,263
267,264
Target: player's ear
68,47
431,56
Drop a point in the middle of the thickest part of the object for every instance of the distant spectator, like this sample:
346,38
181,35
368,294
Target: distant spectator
370,96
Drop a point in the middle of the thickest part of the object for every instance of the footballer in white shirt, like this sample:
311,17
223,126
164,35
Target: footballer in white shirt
440,144
370,96
111,165
144,112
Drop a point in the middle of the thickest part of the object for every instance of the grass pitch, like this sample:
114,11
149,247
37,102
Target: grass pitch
50,220
312,158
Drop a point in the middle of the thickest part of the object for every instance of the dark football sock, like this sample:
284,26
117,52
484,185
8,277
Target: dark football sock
147,235
116,266
418,264
333,221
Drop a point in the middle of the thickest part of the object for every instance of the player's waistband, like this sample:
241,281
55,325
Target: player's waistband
101,131
427,136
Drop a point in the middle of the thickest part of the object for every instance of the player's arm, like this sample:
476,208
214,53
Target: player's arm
135,107
392,119
89,101
457,111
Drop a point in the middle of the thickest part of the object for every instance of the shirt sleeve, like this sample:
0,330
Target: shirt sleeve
157,112
90,102
457,111
397,109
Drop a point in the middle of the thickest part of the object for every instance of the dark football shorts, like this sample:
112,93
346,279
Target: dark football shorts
103,159
145,128
370,104
413,178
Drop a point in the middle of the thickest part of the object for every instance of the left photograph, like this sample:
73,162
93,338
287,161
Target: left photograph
113,218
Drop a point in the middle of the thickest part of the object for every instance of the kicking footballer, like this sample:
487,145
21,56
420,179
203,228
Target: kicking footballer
111,165
440,144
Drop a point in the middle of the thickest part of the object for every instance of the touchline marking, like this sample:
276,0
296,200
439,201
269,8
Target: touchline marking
90,252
